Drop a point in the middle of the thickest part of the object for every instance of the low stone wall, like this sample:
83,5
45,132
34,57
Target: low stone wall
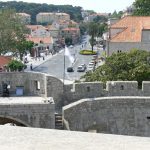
40,115
113,115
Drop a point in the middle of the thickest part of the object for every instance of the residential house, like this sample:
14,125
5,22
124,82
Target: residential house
73,33
38,31
128,33
42,45
91,17
61,24
4,60
24,17
46,17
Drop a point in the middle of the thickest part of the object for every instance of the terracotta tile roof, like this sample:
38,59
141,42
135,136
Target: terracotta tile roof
45,40
4,60
132,27
23,14
34,27
71,29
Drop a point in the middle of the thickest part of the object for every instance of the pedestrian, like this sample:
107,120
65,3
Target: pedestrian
31,68
43,58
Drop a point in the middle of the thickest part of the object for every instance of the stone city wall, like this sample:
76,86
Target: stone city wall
66,94
113,115
30,115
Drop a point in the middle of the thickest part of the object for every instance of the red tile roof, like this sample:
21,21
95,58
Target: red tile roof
34,27
132,27
4,60
71,29
45,40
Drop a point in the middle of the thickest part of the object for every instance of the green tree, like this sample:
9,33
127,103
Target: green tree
83,27
142,7
93,32
116,14
12,32
15,65
134,65
100,19
6,30
68,41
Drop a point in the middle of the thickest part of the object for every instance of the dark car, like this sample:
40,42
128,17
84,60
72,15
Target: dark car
70,69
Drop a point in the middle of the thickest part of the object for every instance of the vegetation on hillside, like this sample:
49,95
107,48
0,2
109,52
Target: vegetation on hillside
131,66
142,8
33,9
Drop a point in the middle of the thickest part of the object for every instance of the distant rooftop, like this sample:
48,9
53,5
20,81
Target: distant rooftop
132,27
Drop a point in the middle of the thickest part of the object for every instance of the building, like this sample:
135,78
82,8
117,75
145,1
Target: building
91,17
45,18
128,33
38,31
72,33
4,60
41,45
25,18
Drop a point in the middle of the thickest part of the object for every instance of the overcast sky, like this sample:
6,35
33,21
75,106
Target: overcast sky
96,5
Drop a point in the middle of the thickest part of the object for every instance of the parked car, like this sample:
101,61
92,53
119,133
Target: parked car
90,68
81,69
84,65
70,69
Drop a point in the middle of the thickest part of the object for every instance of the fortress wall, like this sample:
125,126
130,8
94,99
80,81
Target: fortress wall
146,88
32,115
113,115
85,90
26,80
55,89
122,88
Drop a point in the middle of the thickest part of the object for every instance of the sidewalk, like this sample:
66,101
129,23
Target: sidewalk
37,61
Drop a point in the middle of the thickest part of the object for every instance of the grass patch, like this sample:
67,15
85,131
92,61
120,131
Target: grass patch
87,52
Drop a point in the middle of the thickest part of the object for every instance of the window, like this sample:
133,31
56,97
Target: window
37,85
121,87
148,117
88,89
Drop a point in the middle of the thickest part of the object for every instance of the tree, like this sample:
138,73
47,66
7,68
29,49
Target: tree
15,65
12,32
142,7
132,66
116,14
6,30
68,41
100,19
93,30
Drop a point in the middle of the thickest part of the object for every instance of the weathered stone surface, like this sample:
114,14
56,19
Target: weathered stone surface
19,138
115,115
33,112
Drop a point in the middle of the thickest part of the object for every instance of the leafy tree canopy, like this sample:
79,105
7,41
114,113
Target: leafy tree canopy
15,65
142,7
116,14
12,33
132,66
33,9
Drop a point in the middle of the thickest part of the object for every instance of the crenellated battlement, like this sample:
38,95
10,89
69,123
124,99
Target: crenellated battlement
39,84
113,88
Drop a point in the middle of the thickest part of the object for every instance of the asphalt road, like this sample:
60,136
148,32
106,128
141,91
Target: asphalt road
55,66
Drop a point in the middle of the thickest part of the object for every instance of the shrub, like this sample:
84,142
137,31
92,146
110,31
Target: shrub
87,52
15,65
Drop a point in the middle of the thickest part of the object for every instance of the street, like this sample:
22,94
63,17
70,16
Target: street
55,66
